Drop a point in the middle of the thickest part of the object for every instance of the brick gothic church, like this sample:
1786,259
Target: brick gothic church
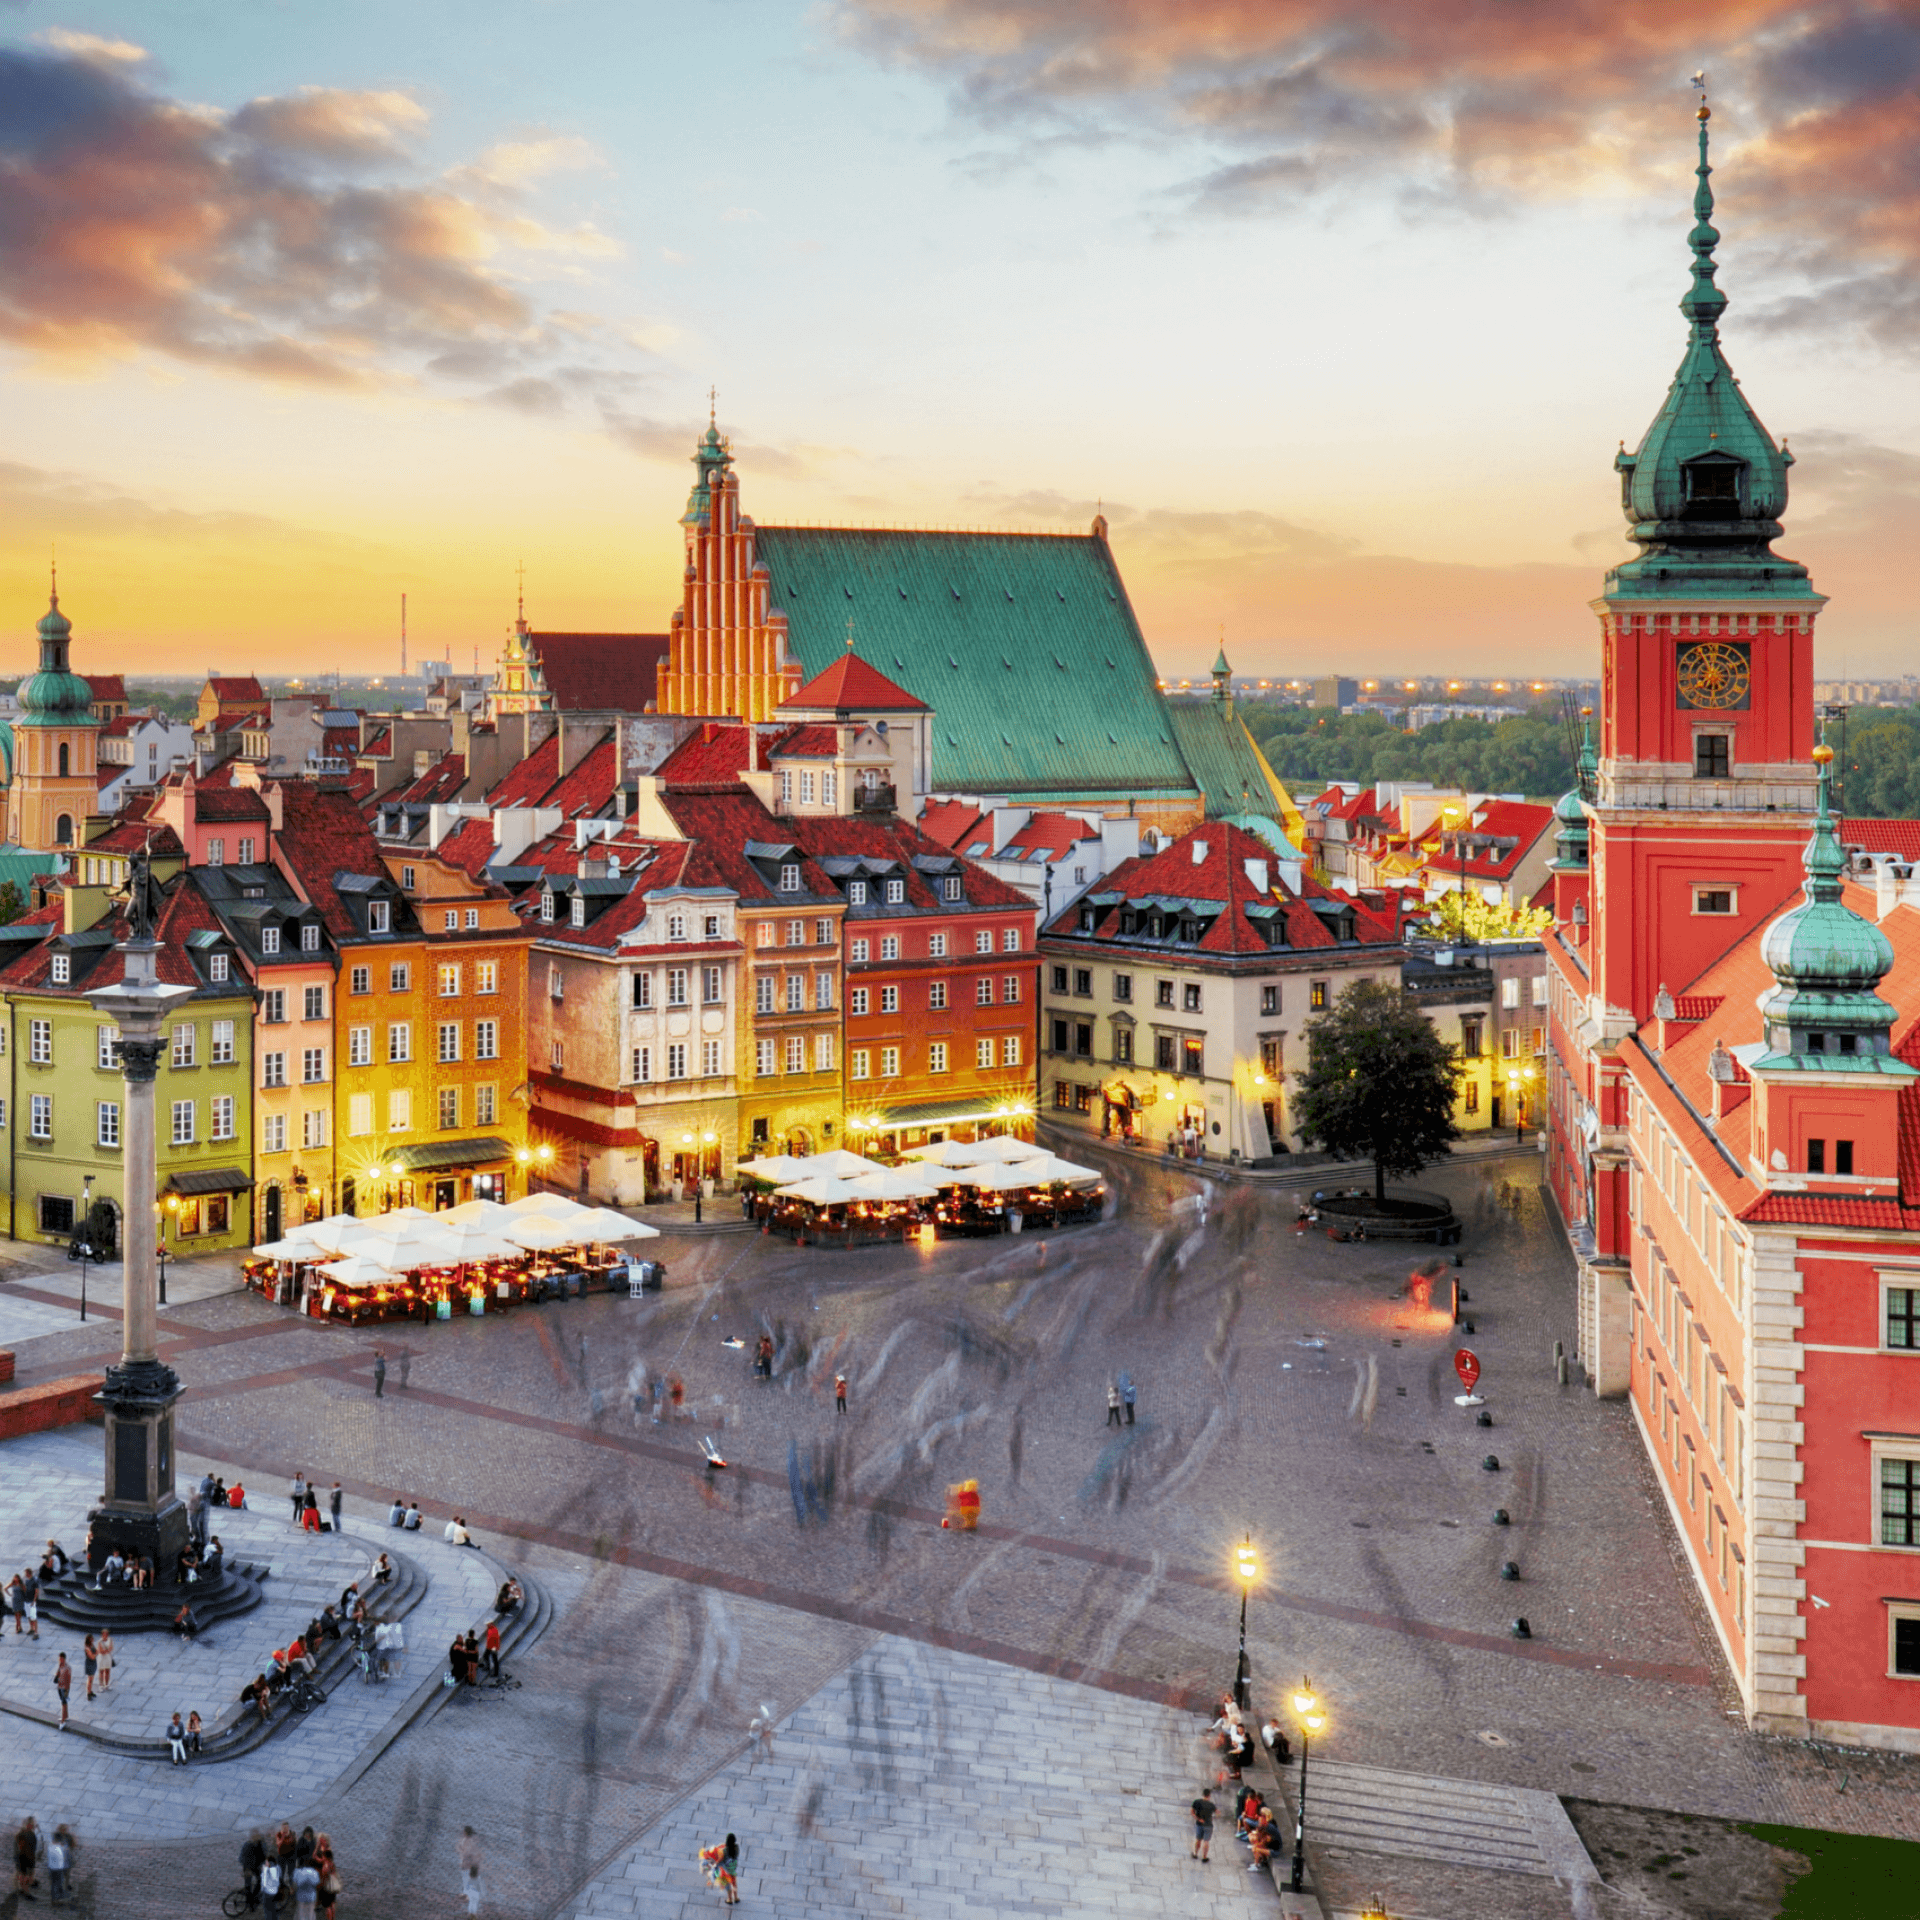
1735,1106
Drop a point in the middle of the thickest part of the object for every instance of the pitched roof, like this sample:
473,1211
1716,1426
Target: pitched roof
850,684
828,836
222,804
810,742
322,834
1025,645
441,781
233,719
232,690
587,786
716,752
1901,838
958,824
1047,836
1227,764
107,686
525,783
600,672
1520,821
469,847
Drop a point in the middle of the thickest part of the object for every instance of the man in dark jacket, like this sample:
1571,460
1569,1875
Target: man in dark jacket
253,1856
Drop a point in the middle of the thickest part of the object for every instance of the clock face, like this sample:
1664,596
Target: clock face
1715,675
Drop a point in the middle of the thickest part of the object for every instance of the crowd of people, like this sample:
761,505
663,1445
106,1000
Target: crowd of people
290,1870
1256,1822
33,1850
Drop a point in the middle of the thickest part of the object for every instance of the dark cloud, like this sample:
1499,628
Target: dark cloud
1819,113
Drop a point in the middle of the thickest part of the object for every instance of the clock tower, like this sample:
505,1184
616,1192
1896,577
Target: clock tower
1704,791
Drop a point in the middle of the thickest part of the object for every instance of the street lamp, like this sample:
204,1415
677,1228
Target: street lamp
86,1243
1246,1569
1306,1709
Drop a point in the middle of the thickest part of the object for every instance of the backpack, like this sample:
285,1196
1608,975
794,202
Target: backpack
270,1877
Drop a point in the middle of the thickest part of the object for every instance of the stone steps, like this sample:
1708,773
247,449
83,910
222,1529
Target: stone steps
71,1602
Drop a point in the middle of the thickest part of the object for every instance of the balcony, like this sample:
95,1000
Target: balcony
873,799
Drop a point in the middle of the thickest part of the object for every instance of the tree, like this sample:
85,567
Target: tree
12,905
1379,1083
1467,916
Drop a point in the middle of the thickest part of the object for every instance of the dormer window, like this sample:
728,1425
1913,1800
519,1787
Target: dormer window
1714,478
309,939
950,887
62,969
790,877
546,907
578,912
379,916
217,967
269,939
407,878
1086,919
856,893
676,926
896,892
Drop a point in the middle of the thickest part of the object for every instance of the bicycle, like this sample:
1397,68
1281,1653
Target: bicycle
237,1902
305,1694
501,1682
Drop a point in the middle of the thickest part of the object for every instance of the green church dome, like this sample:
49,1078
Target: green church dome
55,696
1573,835
1704,491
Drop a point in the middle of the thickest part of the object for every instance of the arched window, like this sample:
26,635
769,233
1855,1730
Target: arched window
65,768
63,827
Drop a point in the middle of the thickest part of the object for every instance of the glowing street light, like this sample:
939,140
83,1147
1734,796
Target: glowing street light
1246,1569
1307,1710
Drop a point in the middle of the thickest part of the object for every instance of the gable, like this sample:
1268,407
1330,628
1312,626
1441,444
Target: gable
1024,645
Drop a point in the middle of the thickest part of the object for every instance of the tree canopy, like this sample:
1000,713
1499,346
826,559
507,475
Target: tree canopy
1468,916
1379,1083
1313,745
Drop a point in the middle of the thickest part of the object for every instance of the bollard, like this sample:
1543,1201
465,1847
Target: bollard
1560,1370
1559,1352
1509,1570
1491,1464
1483,1418
1520,1629
1500,1517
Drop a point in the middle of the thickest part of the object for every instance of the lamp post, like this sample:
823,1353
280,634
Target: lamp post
140,1513
1306,1708
86,1242
1246,1569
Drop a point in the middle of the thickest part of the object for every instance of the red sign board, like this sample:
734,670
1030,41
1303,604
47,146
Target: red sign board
1466,1363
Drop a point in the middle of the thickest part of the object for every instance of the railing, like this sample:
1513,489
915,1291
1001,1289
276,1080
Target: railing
873,799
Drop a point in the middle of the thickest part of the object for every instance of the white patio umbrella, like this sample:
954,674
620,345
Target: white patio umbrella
776,1166
894,1183
604,1225
542,1232
470,1240
556,1203
485,1213
357,1271
997,1179
822,1193
294,1247
942,1153
407,1246
338,1233
975,1153
1047,1171
837,1165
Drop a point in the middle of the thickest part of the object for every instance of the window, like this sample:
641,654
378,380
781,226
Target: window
983,942
40,1117
823,993
400,977
1270,999
857,1000
1010,1050
1270,1058
557,1055
1470,1032
983,1054
183,1046
937,995
1473,1096
790,877
1816,1156
1713,899
577,911
1165,1054
1317,996
643,1064
314,1003
1510,992
1190,1060
216,853
796,992
896,892
1122,1045
950,887
889,946
269,939
449,979
486,1040
1903,1318
219,968
1190,997
1010,940
1510,1044
796,933
677,1061
1059,979
310,938
359,1046
856,893
273,1132
1010,989
786,787
1061,1032
710,927
983,991
765,1057
860,952
546,905
223,1117
106,1132
829,789
710,986
62,969
710,1062
379,916
408,878
360,1114
447,1042
273,1069
763,994
400,1111
40,1042
56,1213
1083,981
796,1053
889,1063
823,933
1710,757
223,1043
313,1065
676,986
273,1006
858,1064
486,976
1163,993
937,1057
107,1049
360,980
449,1107
1843,1156
1062,1094
449,921
400,1040
1083,1039
889,999
1539,989
1899,1503
823,1053
483,1106
642,991
183,1122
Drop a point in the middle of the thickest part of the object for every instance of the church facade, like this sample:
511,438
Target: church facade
53,776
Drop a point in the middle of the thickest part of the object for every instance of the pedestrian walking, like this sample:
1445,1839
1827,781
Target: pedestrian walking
379,1374
30,1589
329,1875
59,1863
90,1661
1127,1393
720,1864
297,1493
839,1393
1203,1825
62,1685
1113,1405
105,1647
26,1855
335,1497
471,1884
306,1889
406,1368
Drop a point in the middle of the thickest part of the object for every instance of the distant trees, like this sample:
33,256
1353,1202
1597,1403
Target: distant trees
1310,746
12,903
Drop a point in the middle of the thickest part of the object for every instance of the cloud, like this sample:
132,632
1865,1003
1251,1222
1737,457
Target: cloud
90,46
1817,105
294,238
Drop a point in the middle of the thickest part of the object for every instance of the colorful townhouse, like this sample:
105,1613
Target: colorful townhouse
1735,1100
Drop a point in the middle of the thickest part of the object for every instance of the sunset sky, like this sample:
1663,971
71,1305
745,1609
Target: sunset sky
1340,312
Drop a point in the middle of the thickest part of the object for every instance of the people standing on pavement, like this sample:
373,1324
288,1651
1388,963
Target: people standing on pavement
106,1658
26,1853
1203,1825
457,1661
297,1493
336,1495
306,1889
1127,1393
90,1660
406,1367
490,1660
310,1513
253,1856
379,1374
1113,1404
59,1863
30,1588
839,1393
329,1875
470,1882
62,1685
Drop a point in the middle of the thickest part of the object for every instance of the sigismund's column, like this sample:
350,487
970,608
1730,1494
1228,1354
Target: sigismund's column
140,1513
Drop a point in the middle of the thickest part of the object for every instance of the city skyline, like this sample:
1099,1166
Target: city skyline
303,318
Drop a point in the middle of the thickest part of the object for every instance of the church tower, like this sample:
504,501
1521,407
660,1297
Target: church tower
1703,794
55,740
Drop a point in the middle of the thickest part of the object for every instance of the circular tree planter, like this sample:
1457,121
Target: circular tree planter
1405,1214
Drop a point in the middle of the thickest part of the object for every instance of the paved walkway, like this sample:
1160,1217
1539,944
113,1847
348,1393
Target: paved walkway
40,1289
46,1483
946,1787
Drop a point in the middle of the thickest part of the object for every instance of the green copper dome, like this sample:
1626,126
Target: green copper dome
1572,836
1827,961
54,697
711,455
1704,491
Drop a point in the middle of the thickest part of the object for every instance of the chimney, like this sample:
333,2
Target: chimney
1200,852
1257,875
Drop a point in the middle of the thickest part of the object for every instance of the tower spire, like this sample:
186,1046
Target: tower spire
1705,303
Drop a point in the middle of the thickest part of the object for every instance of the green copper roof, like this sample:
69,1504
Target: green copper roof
1023,644
54,697
1226,764
1704,491
1572,837
711,455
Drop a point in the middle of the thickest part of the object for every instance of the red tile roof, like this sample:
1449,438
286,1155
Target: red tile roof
121,725
1901,838
958,824
1697,1006
531,778
224,803
232,691
129,834
895,839
715,753
720,824
586,788
234,719
380,742
441,781
322,834
851,685
107,686
1051,835
469,847
1517,820
807,743
183,911
600,672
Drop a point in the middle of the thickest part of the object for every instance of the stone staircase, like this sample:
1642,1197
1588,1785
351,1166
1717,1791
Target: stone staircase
71,1602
